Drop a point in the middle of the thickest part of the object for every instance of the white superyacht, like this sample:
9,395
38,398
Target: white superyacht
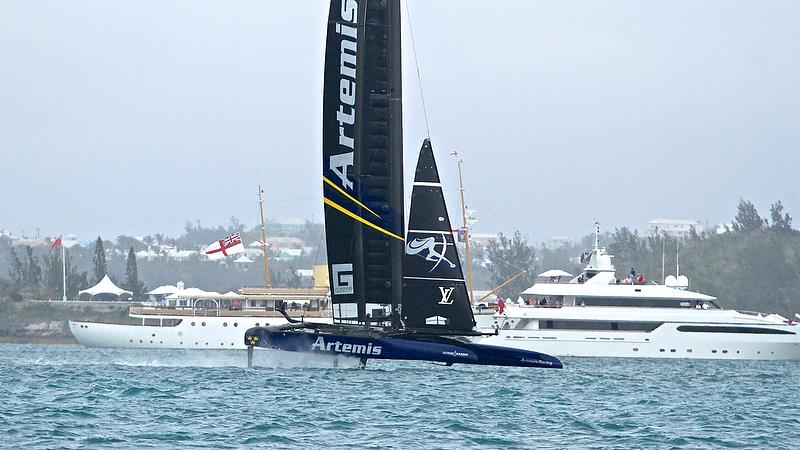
594,315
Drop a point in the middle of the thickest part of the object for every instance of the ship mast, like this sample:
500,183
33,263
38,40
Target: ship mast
263,236
465,227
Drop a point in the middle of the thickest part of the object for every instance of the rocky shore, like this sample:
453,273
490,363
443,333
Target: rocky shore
46,322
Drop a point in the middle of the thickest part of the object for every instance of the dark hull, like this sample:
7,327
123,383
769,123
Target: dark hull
373,345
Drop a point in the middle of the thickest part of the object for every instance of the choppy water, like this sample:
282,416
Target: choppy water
69,396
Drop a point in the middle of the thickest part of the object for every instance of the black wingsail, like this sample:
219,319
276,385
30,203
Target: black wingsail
434,291
362,159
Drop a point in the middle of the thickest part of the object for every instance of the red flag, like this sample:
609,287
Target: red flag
501,305
57,243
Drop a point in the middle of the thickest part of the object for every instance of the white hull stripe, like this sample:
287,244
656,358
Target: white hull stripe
425,183
434,279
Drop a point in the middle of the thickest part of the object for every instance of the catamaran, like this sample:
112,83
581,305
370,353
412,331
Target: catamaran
395,294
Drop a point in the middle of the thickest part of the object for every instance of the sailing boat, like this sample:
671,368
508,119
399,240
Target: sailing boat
394,296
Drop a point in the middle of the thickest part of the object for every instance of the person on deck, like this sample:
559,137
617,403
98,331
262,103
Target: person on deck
640,279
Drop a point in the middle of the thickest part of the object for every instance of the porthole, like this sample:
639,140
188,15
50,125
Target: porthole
737,352
154,335
193,323
724,351
203,323
635,349
256,323
661,350
236,324
222,344
224,324
713,351
140,341
231,344
196,343
206,343
160,342
151,341
131,340
672,350
688,350
181,342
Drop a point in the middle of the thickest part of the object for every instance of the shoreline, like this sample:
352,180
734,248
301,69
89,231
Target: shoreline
38,340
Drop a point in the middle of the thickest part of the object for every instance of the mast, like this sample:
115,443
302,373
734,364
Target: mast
465,226
263,236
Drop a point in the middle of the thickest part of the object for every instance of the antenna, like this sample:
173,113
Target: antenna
663,257
596,234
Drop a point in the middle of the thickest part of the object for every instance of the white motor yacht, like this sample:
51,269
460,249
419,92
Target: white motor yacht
595,315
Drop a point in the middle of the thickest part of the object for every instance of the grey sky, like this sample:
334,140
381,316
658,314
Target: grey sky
121,117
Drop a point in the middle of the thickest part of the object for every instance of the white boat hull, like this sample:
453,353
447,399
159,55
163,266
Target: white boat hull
663,342
192,332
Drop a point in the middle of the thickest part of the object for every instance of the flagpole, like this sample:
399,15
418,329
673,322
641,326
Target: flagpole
263,235
63,273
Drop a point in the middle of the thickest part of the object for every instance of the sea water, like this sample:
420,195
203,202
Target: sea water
67,396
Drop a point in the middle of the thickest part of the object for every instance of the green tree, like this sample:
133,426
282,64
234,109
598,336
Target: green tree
99,260
508,256
780,221
747,218
33,271
132,282
17,270
53,279
129,241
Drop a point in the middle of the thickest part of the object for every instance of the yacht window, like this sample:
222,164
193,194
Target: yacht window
600,325
638,302
523,324
730,329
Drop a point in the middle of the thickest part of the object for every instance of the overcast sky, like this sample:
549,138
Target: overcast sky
120,117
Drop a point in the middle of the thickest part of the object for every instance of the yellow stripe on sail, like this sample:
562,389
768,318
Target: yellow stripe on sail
331,183
364,221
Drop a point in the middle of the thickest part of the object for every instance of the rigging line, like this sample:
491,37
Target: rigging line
319,245
416,66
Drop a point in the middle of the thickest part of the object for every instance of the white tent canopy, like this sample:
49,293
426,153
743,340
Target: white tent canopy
106,286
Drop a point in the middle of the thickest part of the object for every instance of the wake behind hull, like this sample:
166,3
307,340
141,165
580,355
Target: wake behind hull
377,346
